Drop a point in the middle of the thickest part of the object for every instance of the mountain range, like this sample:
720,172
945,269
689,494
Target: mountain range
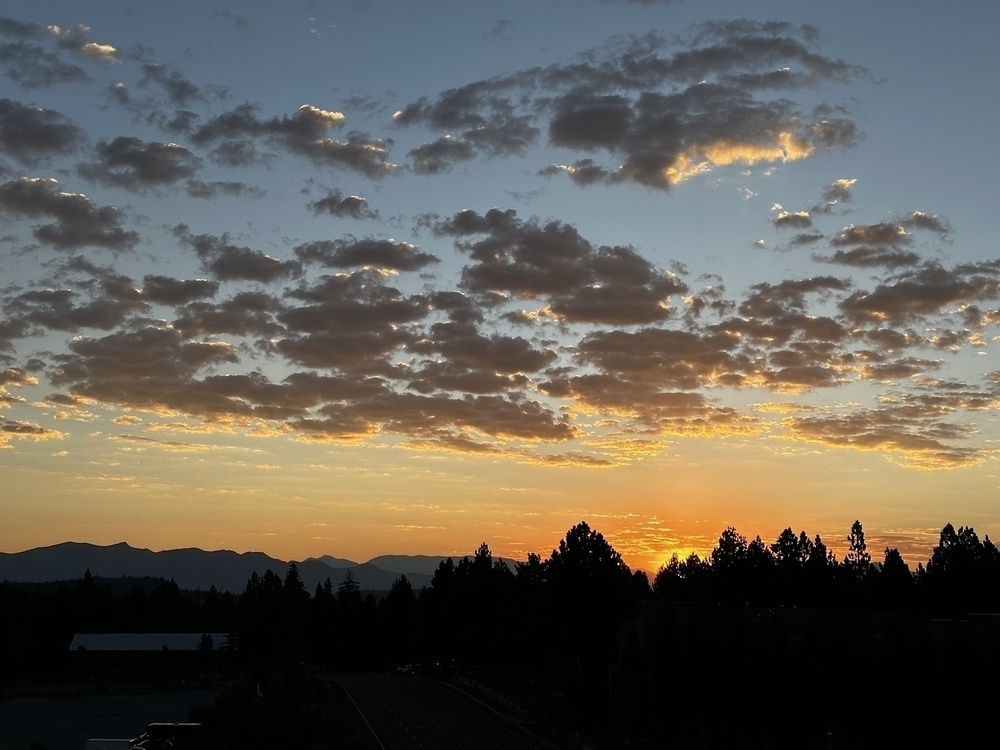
200,569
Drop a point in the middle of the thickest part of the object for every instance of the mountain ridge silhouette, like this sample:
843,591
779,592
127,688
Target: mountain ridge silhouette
193,568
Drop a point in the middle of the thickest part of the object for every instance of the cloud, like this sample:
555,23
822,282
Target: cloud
179,90
797,220
882,233
169,445
165,290
349,207
919,440
210,190
243,314
920,220
234,133
663,114
32,67
872,257
16,377
805,238
441,155
500,27
150,368
657,358
352,253
12,429
923,292
349,321
62,309
534,341
239,21
457,350
441,419
552,263
134,164
79,223
30,134
20,29
229,262
78,40
839,191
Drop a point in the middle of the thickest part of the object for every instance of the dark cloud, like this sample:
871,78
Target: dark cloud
658,360
346,207
878,367
920,220
441,155
547,335
79,222
118,93
464,348
805,238
209,190
919,439
12,328
32,67
839,191
10,429
664,114
244,314
151,368
20,30
768,300
229,262
305,133
169,291
441,419
797,220
29,133
591,123
15,376
179,90
883,233
351,253
922,292
64,310
134,164
357,301
555,265
350,322
584,172
872,257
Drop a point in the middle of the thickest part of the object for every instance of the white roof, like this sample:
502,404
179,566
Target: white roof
142,641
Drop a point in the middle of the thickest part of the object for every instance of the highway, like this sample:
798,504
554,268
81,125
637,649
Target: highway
409,713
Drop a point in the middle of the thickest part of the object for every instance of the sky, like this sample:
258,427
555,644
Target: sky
389,277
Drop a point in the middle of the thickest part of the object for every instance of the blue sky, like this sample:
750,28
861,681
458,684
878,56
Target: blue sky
389,277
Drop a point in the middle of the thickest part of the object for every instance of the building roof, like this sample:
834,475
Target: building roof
143,641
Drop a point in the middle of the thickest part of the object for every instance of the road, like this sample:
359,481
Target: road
408,713
67,723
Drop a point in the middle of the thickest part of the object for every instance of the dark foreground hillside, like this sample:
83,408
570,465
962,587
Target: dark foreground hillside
757,646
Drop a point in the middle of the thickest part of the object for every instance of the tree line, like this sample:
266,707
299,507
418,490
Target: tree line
577,637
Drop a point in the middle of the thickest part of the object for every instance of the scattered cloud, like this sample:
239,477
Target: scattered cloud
133,164
662,115
500,334
78,221
345,207
29,134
